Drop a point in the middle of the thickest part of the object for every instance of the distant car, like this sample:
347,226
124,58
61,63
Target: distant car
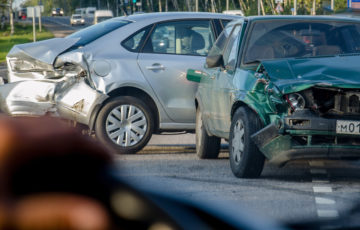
280,88
125,78
234,12
77,19
57,12
102,15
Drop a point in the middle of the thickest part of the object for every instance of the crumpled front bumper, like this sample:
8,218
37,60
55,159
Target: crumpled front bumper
69,98
305,136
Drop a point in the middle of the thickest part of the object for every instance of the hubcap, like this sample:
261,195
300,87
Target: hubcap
238,141
126,125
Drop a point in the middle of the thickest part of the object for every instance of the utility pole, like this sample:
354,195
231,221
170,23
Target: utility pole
160,9
33,21
212,6
197,5
313,7
295,10
332,5
166,6
227,4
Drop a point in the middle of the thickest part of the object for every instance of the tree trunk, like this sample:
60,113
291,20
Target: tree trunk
212,6
166,6
152,5
11,17
262,7
160,9
175,4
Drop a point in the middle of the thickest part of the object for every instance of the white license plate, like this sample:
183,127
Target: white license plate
348,127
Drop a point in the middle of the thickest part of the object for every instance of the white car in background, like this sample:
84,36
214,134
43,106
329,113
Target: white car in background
77,19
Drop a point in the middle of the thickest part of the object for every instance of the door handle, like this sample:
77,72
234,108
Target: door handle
156,66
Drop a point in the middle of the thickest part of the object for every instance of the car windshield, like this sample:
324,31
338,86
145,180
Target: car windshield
77,17
94,32
284,39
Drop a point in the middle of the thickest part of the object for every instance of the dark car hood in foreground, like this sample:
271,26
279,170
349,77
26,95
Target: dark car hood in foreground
292,75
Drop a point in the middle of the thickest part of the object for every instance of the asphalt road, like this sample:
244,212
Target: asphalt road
299,191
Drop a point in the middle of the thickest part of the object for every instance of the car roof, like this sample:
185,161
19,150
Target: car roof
177,15
301,17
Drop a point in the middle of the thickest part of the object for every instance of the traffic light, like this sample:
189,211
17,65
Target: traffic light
134,1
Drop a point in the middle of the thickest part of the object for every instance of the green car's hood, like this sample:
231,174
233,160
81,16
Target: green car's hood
292,75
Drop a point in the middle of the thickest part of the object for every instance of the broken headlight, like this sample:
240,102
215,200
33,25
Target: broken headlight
21,65
296,101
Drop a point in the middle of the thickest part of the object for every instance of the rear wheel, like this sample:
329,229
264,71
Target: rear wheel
207,147
125,124
246,160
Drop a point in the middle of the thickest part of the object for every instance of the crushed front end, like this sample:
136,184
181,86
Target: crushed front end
45,79
317,119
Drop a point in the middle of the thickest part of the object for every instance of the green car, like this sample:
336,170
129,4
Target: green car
280,88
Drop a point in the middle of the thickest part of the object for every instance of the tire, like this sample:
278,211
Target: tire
207,147
246,160
118,132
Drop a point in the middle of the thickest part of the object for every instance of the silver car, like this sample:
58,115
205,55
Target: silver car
124,78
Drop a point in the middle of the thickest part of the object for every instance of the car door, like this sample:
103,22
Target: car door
223,83
172,48
206,94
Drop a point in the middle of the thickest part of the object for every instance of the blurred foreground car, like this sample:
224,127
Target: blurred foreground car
283,88
77,19
124,77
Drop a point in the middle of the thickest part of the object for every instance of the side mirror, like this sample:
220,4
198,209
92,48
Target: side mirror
215,61
194,75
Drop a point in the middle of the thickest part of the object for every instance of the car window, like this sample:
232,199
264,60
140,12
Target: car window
230,53
224,22
181,37
96,31
279,39
135,41
220,43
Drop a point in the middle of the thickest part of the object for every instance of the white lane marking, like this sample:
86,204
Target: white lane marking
327,213
318,171
322,200
320,180
316,163
320,189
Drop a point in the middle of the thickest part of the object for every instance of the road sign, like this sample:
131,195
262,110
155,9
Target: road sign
38,10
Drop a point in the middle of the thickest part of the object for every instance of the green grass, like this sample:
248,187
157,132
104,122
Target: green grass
23,34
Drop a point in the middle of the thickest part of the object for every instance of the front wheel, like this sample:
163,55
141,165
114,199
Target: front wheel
246,160
125,124
207,147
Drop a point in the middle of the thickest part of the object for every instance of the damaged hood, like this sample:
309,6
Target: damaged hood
293,75
44,51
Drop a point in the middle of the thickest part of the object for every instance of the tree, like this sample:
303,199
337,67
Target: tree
11,13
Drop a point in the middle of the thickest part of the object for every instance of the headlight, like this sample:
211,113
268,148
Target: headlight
82,20
296,101
21,65
54,12
61,12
